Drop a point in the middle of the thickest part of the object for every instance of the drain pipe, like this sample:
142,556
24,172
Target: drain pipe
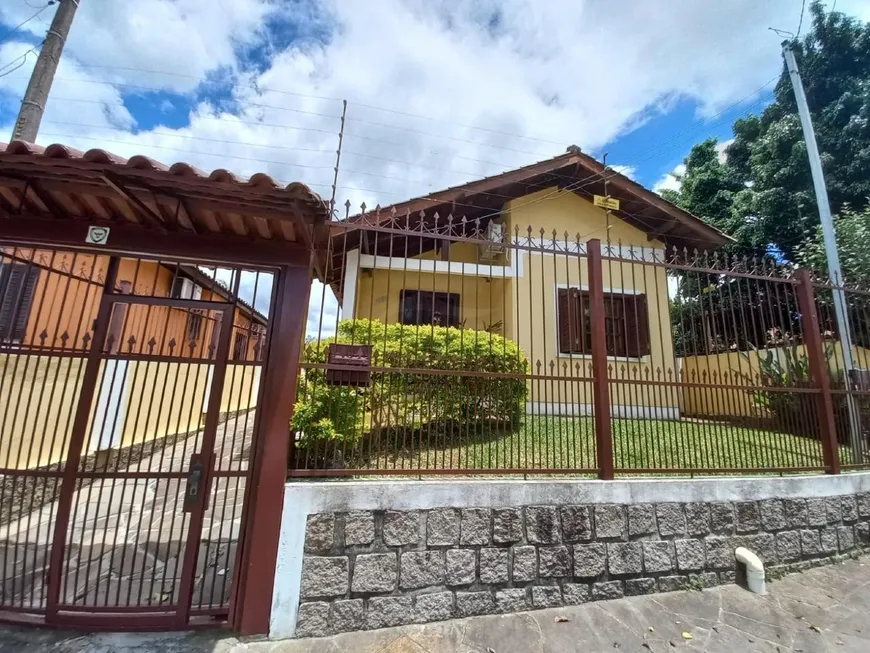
754,570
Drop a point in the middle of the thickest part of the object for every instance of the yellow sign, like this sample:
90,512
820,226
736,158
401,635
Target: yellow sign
605,202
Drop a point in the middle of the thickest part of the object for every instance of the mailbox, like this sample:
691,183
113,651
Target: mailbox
358,357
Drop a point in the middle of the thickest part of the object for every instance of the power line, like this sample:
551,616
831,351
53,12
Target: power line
321,97
194,138
227,117
656,149
23,59
22,24
176,149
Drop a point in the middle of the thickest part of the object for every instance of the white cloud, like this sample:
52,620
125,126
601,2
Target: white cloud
720,149
628,171
505,82
670,181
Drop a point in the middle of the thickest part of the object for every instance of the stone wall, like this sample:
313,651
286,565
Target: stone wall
375,569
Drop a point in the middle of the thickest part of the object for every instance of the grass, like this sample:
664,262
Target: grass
568,443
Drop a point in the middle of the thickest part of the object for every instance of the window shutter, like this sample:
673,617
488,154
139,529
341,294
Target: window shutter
17,286
570,319
637,326
564,308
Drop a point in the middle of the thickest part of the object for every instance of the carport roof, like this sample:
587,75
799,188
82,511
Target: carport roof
63,191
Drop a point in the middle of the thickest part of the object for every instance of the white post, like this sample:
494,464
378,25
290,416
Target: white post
830,239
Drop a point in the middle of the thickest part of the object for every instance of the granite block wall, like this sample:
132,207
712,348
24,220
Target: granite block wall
375,569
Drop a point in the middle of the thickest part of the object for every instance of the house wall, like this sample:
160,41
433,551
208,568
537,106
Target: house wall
134,401
64,305
733,368
39,397
537,331
483,302
525,300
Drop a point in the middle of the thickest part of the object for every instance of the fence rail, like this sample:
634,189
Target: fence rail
475,347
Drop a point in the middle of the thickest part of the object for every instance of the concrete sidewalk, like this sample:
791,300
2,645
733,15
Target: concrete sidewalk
824,609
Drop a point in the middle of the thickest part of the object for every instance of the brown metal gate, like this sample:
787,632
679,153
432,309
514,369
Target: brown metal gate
129,392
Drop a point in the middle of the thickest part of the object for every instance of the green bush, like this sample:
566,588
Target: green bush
796,412
404,399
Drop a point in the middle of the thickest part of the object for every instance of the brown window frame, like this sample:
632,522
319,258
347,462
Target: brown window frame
626,323
417,312
17,291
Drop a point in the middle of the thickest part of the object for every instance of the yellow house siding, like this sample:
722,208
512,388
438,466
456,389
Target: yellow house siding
536,324
526,303
482,301
566,211
735,368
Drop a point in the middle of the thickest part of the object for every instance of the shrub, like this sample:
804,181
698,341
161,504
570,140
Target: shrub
796,412
407,399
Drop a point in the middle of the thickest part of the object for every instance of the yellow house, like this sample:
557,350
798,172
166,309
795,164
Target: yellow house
507,254
48,305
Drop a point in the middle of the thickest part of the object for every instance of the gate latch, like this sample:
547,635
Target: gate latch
193,493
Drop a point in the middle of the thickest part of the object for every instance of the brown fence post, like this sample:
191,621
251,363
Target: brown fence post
600,393
818,370
252,603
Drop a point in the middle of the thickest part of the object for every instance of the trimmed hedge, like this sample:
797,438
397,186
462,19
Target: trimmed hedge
405,400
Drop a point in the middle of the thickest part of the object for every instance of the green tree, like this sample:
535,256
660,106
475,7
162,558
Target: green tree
853,244
762,194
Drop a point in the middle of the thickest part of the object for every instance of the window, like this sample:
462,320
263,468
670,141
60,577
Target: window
17,287
194,325
240,347
626,326
425,307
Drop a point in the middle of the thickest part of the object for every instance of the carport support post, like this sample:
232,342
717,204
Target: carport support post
818,370
253,602
600,393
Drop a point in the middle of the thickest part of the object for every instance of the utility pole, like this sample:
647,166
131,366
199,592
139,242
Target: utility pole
36,96
834,271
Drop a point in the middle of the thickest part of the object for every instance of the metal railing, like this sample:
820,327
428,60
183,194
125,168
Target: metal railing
449,346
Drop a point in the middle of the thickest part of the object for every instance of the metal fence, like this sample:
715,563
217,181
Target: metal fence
479,347
128,395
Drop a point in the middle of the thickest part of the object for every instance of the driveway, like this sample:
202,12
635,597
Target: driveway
822,610
127,535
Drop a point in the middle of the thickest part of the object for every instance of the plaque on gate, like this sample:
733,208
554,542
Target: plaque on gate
341,357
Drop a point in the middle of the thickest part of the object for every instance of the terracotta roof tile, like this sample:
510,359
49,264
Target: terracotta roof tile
142,162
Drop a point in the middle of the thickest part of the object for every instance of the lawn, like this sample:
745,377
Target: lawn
568,443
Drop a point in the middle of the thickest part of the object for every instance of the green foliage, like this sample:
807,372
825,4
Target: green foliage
761,192
407,400
326,413
793,411
853,244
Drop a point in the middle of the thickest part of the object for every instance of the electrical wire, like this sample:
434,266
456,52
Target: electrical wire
22,24
321,97
23,58
576,184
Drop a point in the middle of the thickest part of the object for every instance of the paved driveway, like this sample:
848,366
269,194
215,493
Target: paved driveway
127,535
820,611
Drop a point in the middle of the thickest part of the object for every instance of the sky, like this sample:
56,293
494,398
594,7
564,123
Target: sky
438,92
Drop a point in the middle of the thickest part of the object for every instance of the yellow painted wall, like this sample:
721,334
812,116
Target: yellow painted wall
733,368
482,302
527,304
68,306
38,396
563,211
41,395
535,323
